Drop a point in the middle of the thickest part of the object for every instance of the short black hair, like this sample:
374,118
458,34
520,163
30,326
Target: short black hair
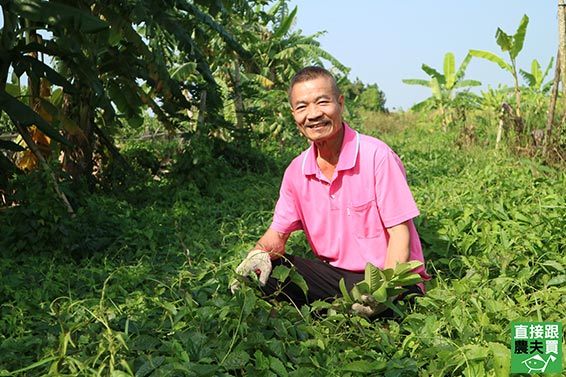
311,73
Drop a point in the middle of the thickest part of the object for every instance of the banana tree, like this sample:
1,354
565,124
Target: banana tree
444,87
112,60
257,86
535,78
536,97
21,46
280,55
512,44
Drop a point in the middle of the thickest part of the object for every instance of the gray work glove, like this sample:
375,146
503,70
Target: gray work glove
368,307
257,260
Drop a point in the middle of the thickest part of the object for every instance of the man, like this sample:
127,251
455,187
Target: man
347,192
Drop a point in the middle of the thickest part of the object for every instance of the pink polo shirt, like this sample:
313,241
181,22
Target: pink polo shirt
345,219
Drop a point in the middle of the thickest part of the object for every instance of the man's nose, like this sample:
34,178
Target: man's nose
314,112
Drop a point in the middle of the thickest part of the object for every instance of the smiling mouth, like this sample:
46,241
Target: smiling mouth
317,125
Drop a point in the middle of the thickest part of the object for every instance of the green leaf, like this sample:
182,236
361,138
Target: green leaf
236,360
277,366
492,58
405,280
475,352
363,366
247,300
554,264
373,277
388,274
199,368
34,365
285,25
356,294
119,373
436,89
433,73
299,280
389,304
420,82
501,358
261,361
403,268
380,294
37,68
184,71
519,37
467,83
149,366
504,40
557,280
281,273
536,71
395,291
463,66
19,112
449,70
57,14
344,290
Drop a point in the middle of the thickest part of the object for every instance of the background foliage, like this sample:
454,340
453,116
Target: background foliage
167,135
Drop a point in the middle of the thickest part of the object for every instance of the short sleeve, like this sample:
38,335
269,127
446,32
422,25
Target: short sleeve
394,198
286,217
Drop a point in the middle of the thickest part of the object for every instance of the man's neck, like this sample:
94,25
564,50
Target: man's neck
329,150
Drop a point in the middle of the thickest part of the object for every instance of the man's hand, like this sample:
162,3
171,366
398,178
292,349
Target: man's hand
369,306
256,261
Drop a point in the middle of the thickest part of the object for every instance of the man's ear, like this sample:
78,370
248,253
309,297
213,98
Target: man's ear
341,103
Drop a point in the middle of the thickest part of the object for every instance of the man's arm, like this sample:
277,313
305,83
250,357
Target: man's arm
398,248
273,242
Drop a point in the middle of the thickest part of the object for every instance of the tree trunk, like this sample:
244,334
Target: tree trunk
202,109
239,103
33,82
23,131
517,119
77,161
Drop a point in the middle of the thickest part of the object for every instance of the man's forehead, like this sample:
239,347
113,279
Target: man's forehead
313,88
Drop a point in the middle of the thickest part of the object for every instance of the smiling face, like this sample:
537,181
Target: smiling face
317,107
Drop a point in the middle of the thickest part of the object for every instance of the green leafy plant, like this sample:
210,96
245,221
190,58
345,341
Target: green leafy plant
512,44
443,86
535,78
381,285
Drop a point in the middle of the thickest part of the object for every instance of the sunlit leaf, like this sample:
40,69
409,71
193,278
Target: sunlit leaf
519,37
493,58
449,70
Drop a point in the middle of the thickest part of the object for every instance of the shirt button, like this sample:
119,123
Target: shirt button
332,196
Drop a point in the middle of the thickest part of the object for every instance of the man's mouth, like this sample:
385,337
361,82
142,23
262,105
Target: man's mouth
316,125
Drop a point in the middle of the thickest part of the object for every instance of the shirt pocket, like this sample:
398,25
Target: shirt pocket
365,219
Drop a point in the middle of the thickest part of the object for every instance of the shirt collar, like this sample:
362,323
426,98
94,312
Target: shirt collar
348,153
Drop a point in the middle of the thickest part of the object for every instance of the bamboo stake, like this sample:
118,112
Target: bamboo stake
546,141
562,41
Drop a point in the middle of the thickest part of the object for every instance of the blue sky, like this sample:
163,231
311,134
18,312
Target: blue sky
385,41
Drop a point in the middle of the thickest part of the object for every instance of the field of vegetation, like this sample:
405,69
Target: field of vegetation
138,283
141,153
